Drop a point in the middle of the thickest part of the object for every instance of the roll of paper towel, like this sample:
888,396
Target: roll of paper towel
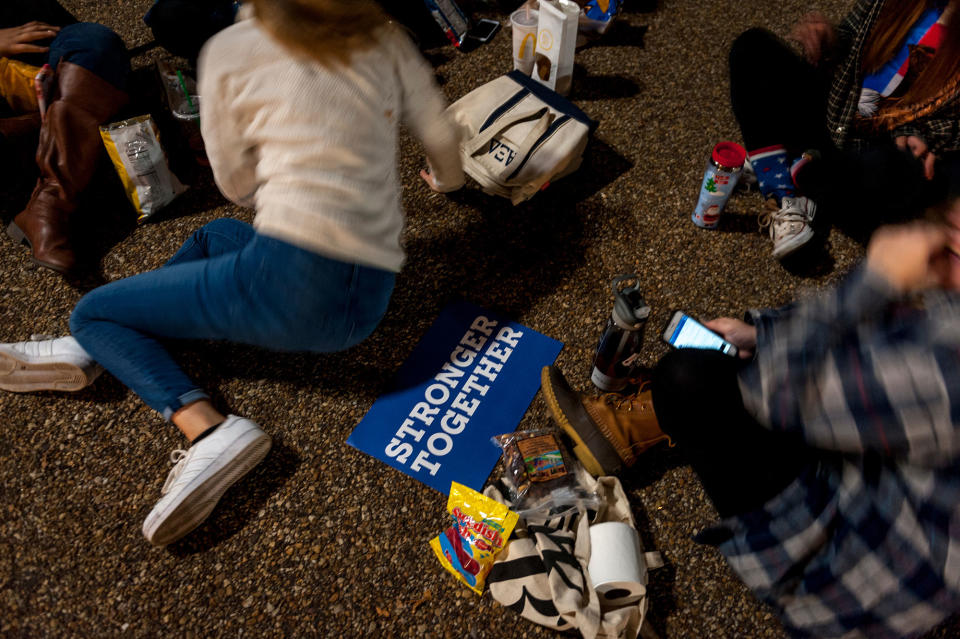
617,567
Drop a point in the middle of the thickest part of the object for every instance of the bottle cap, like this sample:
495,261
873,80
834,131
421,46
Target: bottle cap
629,308
729,155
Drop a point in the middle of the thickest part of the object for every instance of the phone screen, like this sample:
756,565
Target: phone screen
689,333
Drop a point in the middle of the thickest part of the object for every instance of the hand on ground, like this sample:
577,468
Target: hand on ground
431,181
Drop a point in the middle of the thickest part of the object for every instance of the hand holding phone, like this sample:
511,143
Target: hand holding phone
737,332
683,331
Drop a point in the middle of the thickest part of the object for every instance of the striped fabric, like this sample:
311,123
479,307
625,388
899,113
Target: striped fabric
543,574
866,542
939,126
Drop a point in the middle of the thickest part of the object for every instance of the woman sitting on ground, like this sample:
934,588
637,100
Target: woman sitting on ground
300,111
867,120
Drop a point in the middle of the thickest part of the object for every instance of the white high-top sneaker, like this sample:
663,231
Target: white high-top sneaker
201,475
790,226
46,364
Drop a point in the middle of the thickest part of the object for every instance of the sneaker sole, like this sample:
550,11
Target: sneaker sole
598,457
195,506
19,376
793,244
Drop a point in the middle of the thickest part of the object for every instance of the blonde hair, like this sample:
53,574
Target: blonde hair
329,31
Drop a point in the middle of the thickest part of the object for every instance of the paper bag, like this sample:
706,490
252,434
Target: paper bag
556,44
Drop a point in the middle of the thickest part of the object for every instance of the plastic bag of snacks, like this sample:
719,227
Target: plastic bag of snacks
540,473
481,527
134,147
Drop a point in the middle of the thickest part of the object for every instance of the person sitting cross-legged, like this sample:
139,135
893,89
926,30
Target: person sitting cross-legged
830,447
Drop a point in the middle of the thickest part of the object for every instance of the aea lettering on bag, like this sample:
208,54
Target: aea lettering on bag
501,152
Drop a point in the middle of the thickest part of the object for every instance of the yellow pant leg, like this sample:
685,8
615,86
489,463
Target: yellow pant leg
16,85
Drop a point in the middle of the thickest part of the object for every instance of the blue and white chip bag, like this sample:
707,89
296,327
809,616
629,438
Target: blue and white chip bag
451,19
597,15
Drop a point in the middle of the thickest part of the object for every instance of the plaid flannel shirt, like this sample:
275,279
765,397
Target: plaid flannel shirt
866,542
940,129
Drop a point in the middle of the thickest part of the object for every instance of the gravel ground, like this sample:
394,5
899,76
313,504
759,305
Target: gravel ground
321,539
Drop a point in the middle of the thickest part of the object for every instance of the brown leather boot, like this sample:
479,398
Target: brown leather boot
20,135
67,157
609,431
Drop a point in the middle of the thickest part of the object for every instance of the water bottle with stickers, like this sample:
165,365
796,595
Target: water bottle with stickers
618,353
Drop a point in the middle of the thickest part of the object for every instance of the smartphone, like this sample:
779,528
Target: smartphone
683,331
483,30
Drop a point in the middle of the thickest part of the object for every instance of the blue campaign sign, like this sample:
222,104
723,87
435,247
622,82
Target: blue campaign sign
472,376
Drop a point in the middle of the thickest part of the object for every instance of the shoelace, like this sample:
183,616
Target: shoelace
779,217
765,217
618,401
178,459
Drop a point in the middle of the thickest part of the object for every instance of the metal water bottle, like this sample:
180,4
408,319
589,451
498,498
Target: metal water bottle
618,352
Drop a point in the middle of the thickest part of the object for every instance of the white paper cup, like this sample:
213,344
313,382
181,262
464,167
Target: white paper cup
523,22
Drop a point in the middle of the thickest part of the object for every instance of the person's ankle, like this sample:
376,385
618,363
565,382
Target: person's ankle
196,418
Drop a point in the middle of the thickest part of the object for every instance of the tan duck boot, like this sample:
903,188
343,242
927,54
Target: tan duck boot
609,431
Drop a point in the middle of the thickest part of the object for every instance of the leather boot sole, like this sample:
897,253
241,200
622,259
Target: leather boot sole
593,450
19,376
20,237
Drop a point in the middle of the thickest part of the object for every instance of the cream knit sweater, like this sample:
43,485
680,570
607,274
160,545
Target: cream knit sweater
314,149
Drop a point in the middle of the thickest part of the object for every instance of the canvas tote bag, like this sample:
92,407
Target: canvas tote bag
519,135
543,572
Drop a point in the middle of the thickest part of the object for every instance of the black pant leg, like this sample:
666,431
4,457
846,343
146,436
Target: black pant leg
13,13
740,463
777,97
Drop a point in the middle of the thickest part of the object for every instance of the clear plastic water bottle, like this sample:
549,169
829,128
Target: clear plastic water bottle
618,353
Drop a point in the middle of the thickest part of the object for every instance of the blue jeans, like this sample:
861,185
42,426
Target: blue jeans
95,48
227,282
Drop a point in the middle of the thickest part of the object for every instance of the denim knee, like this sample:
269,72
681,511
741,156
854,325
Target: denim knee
81,314
95,48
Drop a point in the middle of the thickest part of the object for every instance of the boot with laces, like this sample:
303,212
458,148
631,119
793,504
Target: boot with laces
44,363
608,431
790,225
201,475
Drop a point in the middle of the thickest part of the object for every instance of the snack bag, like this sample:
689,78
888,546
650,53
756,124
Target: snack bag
541,475
134,147
481,527
556,44
450,18
598,14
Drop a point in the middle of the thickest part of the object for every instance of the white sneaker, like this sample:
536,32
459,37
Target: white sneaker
790,226
201,475
46,364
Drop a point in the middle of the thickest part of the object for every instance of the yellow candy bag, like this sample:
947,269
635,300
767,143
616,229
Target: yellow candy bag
481,527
